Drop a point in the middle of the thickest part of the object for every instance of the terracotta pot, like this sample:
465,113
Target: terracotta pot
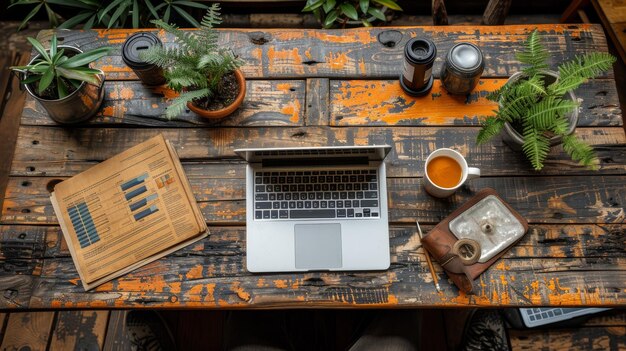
210,114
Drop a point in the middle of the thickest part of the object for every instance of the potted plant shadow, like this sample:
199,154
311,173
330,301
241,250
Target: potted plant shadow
61,80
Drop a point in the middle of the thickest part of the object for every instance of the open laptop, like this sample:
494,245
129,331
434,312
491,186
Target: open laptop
316,208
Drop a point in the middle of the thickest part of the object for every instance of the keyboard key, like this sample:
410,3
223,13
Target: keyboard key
292,204
274,214
300,204
260,197
532,318
260,188
371,194
258,214
351,195
280,196
283,214
358,214
374,214
558,312
307,204
266,214
339,204
262,205
276,205
312,214
341,213
284,205
258,180
319,196
316,204
350,212
369,203
272,197
323,204
331,204
373,186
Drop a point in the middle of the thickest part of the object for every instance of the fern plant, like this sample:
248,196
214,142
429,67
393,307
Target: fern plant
196,67
538,109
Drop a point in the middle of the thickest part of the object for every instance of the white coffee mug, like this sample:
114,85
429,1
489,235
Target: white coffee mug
466,173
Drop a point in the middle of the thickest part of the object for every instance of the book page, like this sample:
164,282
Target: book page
126,209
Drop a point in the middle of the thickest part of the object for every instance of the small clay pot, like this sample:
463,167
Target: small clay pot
216,114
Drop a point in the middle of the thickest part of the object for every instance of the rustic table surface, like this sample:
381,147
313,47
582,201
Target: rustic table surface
331,87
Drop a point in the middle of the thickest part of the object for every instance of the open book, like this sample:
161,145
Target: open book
127,211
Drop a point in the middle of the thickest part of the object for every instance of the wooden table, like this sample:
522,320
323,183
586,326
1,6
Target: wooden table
339,87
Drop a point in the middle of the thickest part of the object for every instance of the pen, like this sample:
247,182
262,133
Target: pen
430,263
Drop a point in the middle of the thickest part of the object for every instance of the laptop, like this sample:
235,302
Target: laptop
316,208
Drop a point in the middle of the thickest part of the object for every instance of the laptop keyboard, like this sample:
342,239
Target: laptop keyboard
343,194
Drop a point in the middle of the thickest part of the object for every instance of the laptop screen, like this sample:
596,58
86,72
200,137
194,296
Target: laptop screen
372,153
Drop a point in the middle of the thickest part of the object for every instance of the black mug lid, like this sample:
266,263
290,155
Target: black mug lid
420,51
134,45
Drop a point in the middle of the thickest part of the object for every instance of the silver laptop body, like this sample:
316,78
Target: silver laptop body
316,208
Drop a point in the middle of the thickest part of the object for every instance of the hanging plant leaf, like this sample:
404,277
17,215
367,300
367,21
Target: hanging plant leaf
364,4
376,13
389,3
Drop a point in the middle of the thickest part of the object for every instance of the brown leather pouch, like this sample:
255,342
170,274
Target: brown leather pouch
440,242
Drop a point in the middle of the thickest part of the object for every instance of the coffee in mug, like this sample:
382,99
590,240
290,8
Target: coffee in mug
445,171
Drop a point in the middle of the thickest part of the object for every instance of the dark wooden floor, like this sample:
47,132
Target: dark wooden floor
202,330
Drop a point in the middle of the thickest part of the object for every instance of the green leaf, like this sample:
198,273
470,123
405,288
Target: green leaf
89,24
191,4
78,75
86,57
366,23
116,15
53,47
73,21
31,78
389,3
329,5
72,3
313,5
166,15
109,8
46,79
377,13
24,2
187,16
349,10
151,8
330,19
536,147
178,105
52,17
30,15
491,127
364,4
61,88
581,152
40,49
135,14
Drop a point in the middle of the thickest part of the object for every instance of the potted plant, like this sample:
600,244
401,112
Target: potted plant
62,81
538,108
204,74
349,12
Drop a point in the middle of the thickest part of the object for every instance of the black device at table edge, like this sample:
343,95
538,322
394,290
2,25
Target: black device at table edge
523,318
150,74
419,55
462,68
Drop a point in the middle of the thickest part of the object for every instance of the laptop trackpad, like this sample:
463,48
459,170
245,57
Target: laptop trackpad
318,246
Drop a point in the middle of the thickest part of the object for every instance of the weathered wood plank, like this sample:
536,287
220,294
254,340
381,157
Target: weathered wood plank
211,273
16,290
542,240
610,338
279,103
223,282
79,330
28,331
357,53
575,199
496,12
317,102
57,151
383,102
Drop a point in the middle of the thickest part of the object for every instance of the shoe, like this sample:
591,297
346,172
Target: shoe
148,331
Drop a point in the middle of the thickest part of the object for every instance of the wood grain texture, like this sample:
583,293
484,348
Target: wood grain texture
278,103
574,199
540,269
57,151
79,330
28,331
383,102
116,337
358,53
317,102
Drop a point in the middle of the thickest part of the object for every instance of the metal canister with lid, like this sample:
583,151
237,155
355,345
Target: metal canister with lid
419,56
150,74
462,68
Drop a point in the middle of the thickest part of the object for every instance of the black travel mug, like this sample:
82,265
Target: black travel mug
150,74
419,56
462,68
